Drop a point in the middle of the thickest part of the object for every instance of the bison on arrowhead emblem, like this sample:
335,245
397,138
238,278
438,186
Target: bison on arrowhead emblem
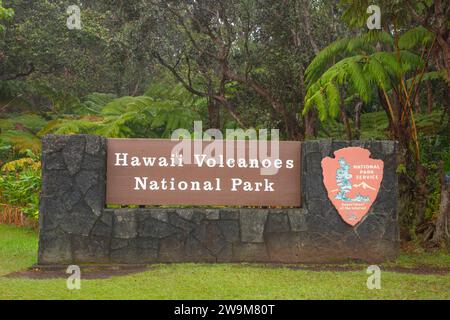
352,180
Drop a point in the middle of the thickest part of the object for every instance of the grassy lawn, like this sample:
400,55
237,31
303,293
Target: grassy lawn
18,250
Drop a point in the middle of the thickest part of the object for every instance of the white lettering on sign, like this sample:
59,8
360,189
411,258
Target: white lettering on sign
146,171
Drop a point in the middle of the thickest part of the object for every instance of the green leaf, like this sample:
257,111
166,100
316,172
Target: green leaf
412,38
333,100
359,80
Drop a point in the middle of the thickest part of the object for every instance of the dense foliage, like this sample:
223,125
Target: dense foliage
20,184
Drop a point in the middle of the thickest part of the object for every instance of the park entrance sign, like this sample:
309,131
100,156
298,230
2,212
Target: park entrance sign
139,201
165,172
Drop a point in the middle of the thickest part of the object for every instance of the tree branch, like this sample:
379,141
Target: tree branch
174,72
18,75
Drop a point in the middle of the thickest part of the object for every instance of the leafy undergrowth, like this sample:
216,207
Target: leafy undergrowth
374,125
18,248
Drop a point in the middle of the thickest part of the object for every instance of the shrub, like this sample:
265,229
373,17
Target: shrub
20,184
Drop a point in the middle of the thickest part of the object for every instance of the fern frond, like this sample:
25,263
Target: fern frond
324,58
410,61
429,76
30,122
340,49
309,100
367,41
333,99
21,141
94,103
389,62
319,101
117,106
375,73
418,36
358,80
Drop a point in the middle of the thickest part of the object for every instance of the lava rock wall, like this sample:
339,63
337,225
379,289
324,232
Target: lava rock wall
76,227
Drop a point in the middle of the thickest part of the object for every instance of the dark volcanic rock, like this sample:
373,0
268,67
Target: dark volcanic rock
252,222
55,247
73,154
277,222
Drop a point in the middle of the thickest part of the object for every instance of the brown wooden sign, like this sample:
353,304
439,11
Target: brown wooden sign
238,173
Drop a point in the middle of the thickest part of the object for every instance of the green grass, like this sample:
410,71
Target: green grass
18,249
422,259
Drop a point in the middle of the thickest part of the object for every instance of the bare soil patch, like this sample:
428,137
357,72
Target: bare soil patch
87,272
105,272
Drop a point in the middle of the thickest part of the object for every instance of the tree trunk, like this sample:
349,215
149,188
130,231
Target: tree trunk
311,124
429,97
213,114
391,125
445,49
448,117
358,109
437,24
417,105
442,233
294,130
421,193
304,9
348,129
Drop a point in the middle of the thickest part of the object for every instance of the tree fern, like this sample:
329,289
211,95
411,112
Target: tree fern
318,100
358,80
343,48
346,71
376,74
21,141
25,122
324,58
333,98
358,68
418,36
71,126
156,114
410,61
389,62
428,76
94,103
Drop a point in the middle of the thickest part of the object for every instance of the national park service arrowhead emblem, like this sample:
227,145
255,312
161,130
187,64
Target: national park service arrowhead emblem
352,180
